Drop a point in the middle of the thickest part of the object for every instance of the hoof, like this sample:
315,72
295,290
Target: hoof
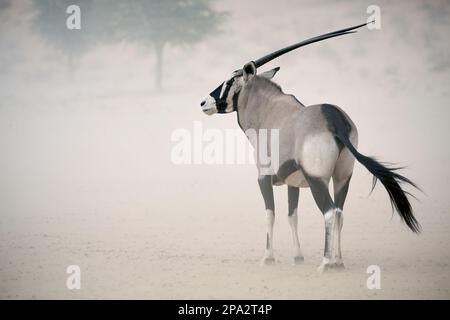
325,267
299,260
338,266
268,261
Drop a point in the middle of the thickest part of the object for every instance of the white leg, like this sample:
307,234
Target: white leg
293,223
332,259
330,225
268,254
338,228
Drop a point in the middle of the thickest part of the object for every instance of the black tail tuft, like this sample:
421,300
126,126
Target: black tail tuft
391,180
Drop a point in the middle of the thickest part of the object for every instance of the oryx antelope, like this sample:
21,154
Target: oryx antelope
316,143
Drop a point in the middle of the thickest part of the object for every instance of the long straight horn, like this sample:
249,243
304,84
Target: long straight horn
273,55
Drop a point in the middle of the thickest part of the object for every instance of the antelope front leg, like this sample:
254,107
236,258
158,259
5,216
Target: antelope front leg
293,193
269,258
265,184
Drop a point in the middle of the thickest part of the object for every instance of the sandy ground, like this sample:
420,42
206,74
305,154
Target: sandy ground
215,255
198,232
86,177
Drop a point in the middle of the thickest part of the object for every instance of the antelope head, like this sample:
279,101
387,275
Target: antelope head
223,99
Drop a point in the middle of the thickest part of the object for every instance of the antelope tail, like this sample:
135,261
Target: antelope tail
391,180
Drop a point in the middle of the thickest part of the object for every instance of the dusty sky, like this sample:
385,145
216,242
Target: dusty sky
393,81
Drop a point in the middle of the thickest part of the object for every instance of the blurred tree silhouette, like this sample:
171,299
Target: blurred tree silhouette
148,23
4,4
157,23
50,21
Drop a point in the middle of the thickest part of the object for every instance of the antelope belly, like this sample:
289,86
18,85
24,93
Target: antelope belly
296,179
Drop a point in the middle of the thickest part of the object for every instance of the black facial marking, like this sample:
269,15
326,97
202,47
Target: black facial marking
293,193
221,102
216,92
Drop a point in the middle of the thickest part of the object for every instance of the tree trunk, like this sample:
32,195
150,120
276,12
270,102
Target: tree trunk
71,66
159,50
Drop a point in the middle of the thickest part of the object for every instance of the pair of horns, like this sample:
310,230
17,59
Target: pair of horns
276,54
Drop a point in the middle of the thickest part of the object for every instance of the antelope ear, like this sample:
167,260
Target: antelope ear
249,70
270,74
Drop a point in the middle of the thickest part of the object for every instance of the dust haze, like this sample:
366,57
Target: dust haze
86,176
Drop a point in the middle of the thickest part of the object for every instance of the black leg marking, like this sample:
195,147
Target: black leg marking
286,168
292,199
320,192
341,194
267,242
265,184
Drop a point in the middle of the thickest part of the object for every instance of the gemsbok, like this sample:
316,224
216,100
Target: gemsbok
316,143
